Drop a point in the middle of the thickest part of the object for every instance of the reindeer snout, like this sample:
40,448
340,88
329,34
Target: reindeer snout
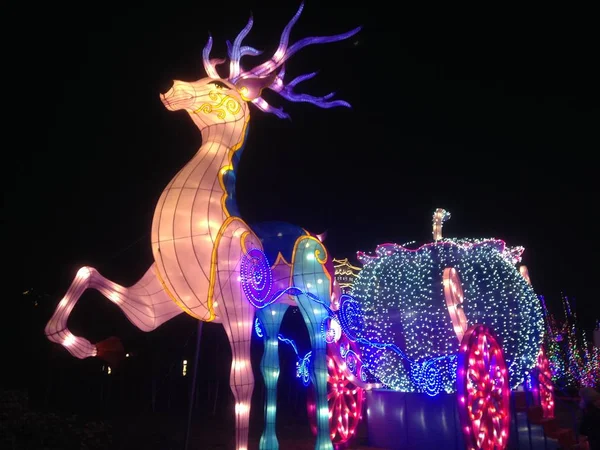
164,97
176,97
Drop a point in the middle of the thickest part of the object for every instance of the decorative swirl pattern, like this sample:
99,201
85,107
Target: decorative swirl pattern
352,362
432,384
427,376
350,317
363,374
258,328
233,106
303,369
205,108
256,277
416,374
225,104
318,254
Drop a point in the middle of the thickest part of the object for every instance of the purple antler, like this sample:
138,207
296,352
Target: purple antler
209,64
277,58
287,92
236,50
261,104
244,51
251,82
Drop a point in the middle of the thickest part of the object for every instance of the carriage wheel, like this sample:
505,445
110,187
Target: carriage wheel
483,391
546,388
345,404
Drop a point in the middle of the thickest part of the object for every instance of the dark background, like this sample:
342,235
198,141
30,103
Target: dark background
490,112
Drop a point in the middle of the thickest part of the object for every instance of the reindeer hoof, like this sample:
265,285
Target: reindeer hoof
111,350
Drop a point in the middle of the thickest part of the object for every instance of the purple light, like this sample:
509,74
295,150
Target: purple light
278,58
244,51
236,53
262,74
389,248
208,64
261,104
314,40
287,92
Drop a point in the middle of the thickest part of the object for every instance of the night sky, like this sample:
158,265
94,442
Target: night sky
489,112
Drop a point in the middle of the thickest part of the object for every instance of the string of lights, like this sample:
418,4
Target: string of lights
402,301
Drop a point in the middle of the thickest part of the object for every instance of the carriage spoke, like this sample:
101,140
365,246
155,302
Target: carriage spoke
483,392
345,402
546,388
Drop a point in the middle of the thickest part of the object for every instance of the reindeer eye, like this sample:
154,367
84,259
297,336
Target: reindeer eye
219,85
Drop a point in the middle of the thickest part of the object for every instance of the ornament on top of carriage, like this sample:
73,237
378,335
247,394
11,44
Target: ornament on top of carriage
440,216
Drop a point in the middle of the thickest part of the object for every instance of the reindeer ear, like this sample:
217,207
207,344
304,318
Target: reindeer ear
251,88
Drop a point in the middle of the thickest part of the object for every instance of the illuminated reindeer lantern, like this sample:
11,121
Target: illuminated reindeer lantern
207,261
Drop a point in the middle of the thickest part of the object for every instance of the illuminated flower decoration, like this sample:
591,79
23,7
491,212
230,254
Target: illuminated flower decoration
513,254
270,74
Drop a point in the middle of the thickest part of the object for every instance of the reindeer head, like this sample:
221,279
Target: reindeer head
219,99
214,100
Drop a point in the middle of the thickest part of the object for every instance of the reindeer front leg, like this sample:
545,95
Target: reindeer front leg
236,313
145,304
310,275
270,318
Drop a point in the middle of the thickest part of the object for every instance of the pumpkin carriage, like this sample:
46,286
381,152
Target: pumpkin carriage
452,316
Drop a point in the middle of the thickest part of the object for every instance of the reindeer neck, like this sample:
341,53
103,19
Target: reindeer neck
215,164
227,135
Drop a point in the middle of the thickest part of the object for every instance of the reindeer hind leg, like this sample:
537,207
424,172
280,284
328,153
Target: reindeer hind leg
145,304
270,318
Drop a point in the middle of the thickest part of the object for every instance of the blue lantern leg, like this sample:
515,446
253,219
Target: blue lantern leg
270,318
310,276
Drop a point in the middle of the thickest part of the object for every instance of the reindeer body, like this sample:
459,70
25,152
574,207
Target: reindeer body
192,216
207,261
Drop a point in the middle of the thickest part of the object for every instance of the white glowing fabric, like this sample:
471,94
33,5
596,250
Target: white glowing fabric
145,304
190,219
200,243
